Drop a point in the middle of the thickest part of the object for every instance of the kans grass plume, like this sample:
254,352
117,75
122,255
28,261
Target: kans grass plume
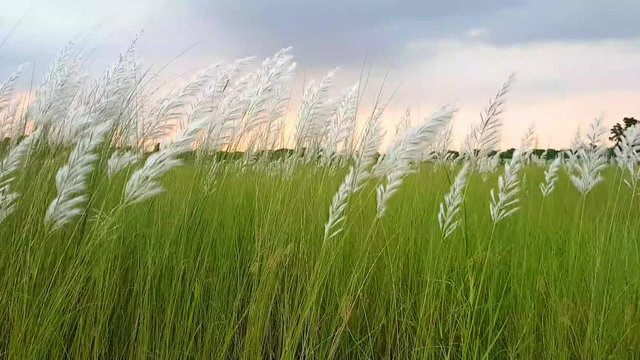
504,202
485,136
7,88
71,179
342,125
551,177
591,159
627,154
407,150
528,143
358,174
450,207
57,91
314,115
144,183
120,161
16,157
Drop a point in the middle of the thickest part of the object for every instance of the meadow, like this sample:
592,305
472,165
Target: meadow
213,244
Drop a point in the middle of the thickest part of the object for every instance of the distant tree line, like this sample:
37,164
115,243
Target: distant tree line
617,132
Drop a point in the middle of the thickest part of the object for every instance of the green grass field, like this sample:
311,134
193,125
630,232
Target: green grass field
232,264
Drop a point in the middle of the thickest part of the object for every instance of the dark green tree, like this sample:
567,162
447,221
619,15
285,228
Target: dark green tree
538,152
552,154
507,154
618,129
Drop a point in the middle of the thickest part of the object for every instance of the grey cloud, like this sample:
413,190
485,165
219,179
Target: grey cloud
569,20
333,31
338,31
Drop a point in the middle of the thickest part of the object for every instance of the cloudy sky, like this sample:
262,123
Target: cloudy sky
574,59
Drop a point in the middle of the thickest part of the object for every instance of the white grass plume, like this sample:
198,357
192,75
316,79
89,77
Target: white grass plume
627,156
7,88
164,115
404,124
71,179
144,183
17,156
450,207
551,177
267,95
540,160
7,202
11,163
280,96
343,123
221,87
406,150
59,87
221,130
572,154
219,109
275,72
314,114
439,152
358,174
485,136
626,151
339,203
488,165
116,95
504,203
120,161
591,159
528,143
13,124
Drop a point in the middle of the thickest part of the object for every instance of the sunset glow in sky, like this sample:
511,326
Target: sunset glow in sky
574,59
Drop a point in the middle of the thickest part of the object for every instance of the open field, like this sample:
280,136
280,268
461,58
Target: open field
139,224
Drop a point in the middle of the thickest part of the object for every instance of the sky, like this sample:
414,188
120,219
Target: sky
575,60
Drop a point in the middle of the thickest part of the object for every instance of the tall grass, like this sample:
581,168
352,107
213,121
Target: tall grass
227,273
328,251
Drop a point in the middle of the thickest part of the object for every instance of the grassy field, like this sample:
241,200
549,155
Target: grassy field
141,219
232,264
